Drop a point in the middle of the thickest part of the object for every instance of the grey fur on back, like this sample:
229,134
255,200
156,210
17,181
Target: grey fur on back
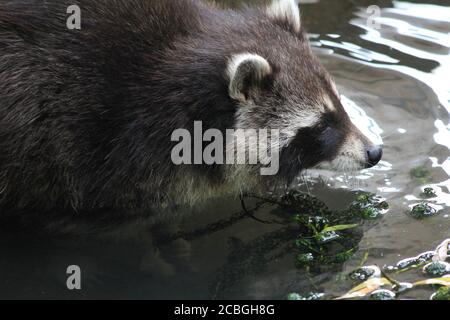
86,115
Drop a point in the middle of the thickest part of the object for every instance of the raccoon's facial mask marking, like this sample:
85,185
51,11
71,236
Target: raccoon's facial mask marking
343,146
353,150
333,142
318,142
315,130
356,153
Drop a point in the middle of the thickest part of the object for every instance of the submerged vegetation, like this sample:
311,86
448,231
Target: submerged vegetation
423,210
443,293
428,193
327,237
421,174
318,236
373,282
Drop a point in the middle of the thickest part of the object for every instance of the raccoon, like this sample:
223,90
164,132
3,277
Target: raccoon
87,115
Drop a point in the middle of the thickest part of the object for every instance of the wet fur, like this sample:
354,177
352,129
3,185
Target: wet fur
86,115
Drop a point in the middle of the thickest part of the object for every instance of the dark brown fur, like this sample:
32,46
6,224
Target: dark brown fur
86,115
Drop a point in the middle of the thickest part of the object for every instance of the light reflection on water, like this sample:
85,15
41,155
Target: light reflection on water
363,122
394,84
412,107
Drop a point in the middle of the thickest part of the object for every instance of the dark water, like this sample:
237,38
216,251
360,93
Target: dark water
393,73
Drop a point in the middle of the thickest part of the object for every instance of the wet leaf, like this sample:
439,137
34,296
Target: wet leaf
402,287
434,266
305,258
442,251
409,263
443,281
327,236
318,222
365,288
443,293
340,227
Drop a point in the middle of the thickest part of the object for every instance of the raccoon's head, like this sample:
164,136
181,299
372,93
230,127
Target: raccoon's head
280,84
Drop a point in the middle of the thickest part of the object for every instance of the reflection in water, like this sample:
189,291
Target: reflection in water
363,122
393,81
419,42
410,100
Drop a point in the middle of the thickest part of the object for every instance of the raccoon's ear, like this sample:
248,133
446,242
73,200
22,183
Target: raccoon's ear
286,12
245,72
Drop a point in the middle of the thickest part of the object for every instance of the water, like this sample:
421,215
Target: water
394,70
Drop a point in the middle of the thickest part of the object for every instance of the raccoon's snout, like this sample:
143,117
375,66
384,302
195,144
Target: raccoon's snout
374,154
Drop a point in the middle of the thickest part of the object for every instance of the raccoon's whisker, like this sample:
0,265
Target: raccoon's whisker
345,175
325,180
280,186
305,180
355,181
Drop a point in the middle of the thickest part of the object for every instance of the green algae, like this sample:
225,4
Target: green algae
382,294
423,210
309,296
421,174
378,285
442,293
428,193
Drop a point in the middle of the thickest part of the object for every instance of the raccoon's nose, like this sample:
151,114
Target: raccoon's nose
374,154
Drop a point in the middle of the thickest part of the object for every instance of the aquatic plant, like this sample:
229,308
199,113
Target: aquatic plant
363,273
381,286
436,268
309,296
421,174
368,206
382,294
443,293
324,227
428,193
317,236
423,210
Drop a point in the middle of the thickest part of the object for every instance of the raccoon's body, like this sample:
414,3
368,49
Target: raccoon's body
86,116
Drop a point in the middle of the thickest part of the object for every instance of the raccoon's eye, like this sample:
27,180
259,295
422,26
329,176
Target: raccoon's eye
329,140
